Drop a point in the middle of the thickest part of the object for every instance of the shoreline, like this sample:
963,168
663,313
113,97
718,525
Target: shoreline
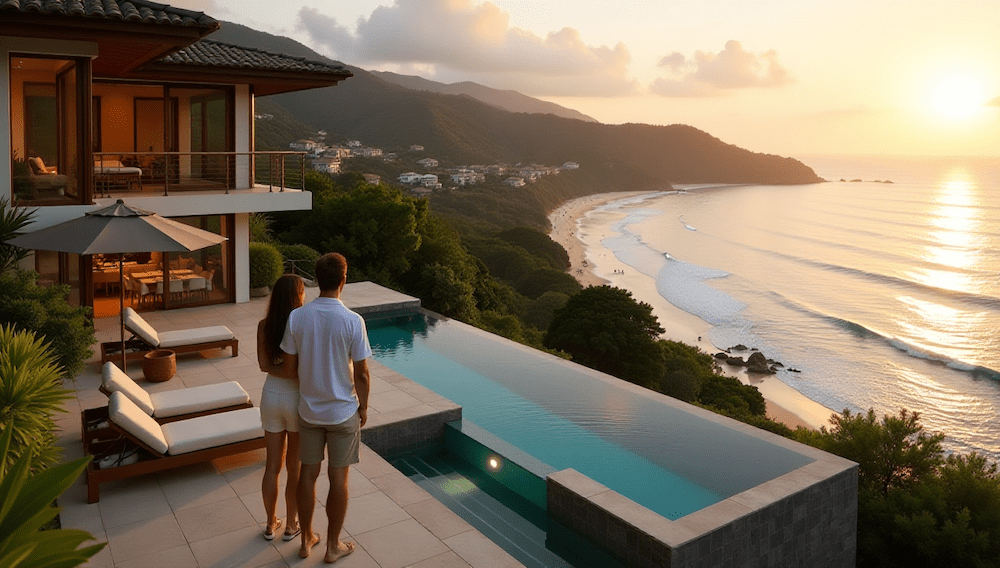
592,268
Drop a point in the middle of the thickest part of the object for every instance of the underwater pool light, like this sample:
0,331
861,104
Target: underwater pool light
493,463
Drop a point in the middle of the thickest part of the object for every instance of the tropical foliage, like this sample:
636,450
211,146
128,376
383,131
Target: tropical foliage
13,220
31,393
46,311
26,506
917,506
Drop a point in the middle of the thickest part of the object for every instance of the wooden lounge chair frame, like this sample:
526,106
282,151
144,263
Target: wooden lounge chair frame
114,440
136,347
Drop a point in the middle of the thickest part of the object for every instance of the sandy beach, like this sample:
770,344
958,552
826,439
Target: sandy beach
591,267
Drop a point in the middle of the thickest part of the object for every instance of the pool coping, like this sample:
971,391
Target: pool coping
817,500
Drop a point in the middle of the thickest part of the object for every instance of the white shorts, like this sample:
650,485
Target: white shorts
279,411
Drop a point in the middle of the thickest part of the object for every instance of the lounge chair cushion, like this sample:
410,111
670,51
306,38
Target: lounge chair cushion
198,399
136,324
130,418
194,336
115,380
213,430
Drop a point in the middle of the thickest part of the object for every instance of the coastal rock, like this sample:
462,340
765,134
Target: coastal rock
739,347
720,355
757,363
735,361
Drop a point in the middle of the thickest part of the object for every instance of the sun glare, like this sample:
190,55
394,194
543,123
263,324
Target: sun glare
958,98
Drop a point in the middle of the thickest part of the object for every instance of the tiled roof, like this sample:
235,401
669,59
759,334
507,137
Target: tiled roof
217,54
136,11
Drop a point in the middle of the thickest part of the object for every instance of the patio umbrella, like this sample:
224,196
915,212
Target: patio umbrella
118,229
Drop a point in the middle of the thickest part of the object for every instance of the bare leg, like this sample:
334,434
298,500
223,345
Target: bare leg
275,451
307,501
336,512
292,486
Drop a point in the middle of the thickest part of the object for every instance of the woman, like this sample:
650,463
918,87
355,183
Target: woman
279,405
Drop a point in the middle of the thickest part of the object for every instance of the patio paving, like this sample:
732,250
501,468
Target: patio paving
211,514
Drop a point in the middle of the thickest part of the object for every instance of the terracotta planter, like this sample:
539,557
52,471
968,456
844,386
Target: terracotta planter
159,365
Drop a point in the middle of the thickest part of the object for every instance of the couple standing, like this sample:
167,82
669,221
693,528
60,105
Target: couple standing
315,396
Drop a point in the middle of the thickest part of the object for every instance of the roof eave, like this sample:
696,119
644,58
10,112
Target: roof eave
264,82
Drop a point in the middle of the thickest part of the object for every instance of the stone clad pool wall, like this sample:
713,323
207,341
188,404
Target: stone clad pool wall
805,518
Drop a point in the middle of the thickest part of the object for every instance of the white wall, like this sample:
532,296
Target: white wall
241,244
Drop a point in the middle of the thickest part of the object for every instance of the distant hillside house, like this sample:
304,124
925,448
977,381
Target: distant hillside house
430,180
428,163
368,152
467,177
303,145
338,152
416,148
327,165
409,177
514,182
495,170
353,143
372,179
571,166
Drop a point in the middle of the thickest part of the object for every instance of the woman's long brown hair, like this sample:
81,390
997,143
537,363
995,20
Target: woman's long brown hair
285,297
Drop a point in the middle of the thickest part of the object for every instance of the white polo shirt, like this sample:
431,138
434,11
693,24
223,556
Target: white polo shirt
327,337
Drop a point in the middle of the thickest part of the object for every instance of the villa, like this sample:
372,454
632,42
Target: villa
101,100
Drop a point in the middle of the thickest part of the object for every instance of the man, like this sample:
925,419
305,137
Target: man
322,342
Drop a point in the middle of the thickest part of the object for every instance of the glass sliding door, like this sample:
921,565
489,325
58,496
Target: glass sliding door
47,118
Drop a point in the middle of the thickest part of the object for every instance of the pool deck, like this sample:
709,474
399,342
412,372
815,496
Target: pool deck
211,514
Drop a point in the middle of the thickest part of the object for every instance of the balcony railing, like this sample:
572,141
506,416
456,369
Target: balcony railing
177,172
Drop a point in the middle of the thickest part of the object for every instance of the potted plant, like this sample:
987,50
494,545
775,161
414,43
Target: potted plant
266,266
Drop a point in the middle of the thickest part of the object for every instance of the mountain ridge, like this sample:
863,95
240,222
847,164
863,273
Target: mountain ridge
507,99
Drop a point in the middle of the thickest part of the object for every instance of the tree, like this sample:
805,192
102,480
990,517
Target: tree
538,244
603,328
892,452
542,280
13,220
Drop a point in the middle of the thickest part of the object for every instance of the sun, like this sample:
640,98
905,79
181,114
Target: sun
957,97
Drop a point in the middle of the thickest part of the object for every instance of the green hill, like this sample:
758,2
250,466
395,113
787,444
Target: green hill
457,129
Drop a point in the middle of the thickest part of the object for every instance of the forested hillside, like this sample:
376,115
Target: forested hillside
461,130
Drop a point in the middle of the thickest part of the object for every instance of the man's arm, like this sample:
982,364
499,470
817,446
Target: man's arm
362,384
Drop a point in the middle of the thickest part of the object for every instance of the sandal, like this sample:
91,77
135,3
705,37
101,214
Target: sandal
270,530
291,535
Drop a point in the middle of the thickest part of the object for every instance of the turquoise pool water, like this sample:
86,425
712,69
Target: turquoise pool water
667,459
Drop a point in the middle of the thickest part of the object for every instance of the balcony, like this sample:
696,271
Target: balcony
145,174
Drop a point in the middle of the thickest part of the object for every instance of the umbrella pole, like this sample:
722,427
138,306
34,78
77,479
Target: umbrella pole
121,306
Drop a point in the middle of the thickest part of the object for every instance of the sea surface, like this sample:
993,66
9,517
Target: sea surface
882,295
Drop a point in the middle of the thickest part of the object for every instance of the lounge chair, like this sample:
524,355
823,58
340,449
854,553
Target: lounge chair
178,404
145,339
167,446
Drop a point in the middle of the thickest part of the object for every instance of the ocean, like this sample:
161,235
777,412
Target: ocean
881,295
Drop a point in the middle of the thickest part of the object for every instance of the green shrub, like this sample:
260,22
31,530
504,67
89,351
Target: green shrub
260,228
45,311
301,257
13,220
266,265
27,507
30,393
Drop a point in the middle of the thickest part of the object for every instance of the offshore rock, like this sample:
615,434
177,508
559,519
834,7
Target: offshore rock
757,363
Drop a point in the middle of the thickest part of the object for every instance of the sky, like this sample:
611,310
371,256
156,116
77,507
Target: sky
788,77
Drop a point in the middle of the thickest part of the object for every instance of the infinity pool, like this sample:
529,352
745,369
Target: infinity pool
660,455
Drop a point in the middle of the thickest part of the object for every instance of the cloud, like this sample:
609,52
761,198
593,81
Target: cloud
478,41
714,74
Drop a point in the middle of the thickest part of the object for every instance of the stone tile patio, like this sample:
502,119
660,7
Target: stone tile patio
211,514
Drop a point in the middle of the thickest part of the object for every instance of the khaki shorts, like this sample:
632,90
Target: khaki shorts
343,442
